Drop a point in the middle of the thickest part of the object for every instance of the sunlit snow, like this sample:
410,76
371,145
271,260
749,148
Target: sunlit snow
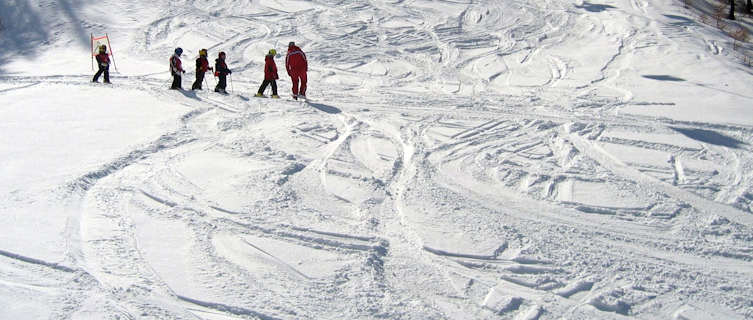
455,160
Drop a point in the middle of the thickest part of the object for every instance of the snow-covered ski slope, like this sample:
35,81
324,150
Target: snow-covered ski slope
458,160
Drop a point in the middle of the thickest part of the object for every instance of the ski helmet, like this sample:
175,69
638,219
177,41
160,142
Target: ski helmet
102,48
272,52
178,51
291,43
203,52
222,55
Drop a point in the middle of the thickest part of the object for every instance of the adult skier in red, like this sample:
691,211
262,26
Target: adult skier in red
270,74
103,61
202,66
176,69
297,66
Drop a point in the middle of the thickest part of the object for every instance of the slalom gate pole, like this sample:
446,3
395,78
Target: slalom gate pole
91,51
112,53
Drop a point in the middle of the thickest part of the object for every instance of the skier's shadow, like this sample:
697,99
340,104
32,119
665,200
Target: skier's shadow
189,94
325,108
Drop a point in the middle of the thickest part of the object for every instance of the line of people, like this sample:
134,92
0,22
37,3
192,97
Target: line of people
296,66
202,66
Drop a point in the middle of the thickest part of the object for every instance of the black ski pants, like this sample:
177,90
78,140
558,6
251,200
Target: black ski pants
177,81
199,80
222,84
105,70
266,83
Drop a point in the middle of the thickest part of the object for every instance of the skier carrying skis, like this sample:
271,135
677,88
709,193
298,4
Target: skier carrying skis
297,66
103,61
176,68
270,74
221,70
202,65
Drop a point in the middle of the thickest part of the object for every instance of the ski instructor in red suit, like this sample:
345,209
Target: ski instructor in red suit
297,66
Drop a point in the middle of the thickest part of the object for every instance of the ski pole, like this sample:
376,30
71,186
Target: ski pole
231,83
91,44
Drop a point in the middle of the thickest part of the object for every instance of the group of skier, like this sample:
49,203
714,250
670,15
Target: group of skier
202,66
296,66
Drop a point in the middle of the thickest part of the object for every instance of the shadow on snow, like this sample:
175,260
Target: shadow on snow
70,12
325,108
709,136
680,20
21,30
662,77
593,7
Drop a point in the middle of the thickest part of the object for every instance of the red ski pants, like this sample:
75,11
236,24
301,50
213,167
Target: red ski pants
295,77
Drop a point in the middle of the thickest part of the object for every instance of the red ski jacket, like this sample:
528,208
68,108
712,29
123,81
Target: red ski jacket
270,68
176,66
202,64
295,61
103,59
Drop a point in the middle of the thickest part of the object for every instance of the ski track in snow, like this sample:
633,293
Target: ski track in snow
396,205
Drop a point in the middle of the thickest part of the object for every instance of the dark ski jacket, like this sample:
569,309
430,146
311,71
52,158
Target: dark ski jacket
295,60
202,65
220,67
103,60
270,68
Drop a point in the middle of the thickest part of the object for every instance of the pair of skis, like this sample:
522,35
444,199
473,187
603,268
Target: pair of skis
295,98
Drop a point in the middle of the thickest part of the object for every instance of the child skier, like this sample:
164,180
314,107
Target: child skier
103,61
176,69
270,74
221,70
202,65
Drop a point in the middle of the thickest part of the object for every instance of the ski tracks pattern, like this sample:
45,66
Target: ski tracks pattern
471,208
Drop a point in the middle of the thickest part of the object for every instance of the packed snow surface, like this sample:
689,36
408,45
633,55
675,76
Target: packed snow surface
455,160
